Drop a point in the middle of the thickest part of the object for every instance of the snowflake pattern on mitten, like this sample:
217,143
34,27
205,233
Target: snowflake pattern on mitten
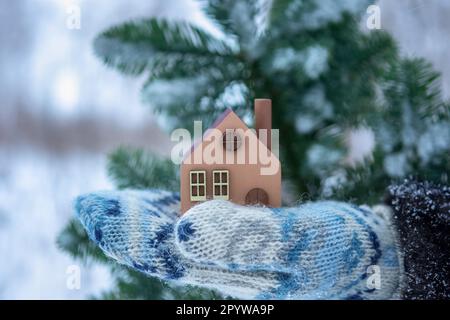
318,250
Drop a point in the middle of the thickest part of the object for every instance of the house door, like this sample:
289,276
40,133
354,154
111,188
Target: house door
257,196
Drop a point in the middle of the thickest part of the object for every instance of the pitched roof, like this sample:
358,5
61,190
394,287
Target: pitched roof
220,118
216,123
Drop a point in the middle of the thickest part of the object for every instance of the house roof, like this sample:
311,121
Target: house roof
220,118
215,124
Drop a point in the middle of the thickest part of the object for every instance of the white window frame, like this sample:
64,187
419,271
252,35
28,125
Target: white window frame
221,184
197,184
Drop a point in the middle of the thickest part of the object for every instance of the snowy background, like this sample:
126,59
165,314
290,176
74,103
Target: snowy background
62,111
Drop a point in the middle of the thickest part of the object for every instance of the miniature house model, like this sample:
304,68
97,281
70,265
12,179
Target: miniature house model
241,183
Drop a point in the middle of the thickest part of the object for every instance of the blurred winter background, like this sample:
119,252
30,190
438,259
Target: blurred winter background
62,111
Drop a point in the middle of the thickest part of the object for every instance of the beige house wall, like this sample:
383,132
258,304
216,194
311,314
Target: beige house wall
242,177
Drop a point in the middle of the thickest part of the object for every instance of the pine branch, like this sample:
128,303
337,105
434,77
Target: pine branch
159,45
73,239
131,284
279,10
289,17
363,183
201,97
134,168
416,82
357,64
244,20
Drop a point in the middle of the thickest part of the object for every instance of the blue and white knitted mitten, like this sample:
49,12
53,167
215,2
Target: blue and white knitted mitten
320,250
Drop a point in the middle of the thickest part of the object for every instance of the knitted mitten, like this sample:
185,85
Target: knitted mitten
321,250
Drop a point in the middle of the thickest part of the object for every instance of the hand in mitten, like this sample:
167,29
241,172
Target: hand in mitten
318,250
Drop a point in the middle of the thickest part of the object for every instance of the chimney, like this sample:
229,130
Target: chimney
263,118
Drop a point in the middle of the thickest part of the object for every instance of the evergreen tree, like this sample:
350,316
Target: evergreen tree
325,76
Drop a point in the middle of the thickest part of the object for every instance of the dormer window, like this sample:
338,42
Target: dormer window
232,140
